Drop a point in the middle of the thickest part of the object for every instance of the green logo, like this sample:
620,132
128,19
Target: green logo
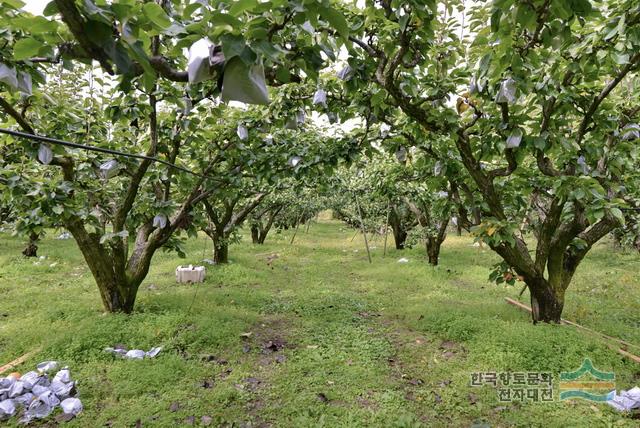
597,385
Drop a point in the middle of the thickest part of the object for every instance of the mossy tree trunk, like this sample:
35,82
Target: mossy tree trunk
398,228
224,217
31,250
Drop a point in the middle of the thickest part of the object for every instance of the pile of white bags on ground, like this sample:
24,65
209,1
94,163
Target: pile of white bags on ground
34,395
626,400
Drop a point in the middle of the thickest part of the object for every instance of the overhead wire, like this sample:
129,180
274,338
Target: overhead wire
64,143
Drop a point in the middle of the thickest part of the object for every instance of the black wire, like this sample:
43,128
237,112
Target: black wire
94,149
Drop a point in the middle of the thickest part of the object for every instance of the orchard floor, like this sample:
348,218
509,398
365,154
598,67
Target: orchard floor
332,340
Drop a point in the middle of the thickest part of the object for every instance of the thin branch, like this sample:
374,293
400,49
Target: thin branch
16,116
582,130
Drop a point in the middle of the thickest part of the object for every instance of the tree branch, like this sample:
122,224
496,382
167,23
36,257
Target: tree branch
582,130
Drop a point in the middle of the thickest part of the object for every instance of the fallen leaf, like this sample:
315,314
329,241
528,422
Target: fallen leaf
449,345
273,345
213,359
252,383
206,383
65,417
246,335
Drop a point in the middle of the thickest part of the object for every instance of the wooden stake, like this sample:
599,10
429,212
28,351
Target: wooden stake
386,229
628,355
364,233
295,232
17,361
597,333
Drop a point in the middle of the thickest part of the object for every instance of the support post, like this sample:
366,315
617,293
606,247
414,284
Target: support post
295,232
364,232
386,229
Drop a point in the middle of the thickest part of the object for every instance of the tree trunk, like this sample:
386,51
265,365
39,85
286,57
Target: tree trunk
547,302
117,297
117,281
118,293
220,248
400,237
433,250
255,234
32,248
264,230
221,253
399,234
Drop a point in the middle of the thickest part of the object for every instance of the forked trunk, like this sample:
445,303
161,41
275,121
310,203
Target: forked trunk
546,303
221,253
220,245
400,238
118,293
434,243
255,235
399,232
117,297
433,250
117,282
32,248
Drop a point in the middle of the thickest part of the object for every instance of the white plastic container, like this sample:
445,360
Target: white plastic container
186,274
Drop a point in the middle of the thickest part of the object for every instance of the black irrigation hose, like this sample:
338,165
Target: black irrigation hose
94,149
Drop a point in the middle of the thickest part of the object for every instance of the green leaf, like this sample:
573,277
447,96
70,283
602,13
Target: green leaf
232,45
156,14
26,48
495,20
617,213
222,19
621,58
16,4
190,9
241,6
336,19
50,9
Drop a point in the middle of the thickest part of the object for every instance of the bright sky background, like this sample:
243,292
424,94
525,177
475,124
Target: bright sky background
35,6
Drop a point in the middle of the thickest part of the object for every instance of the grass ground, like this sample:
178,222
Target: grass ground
315,336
